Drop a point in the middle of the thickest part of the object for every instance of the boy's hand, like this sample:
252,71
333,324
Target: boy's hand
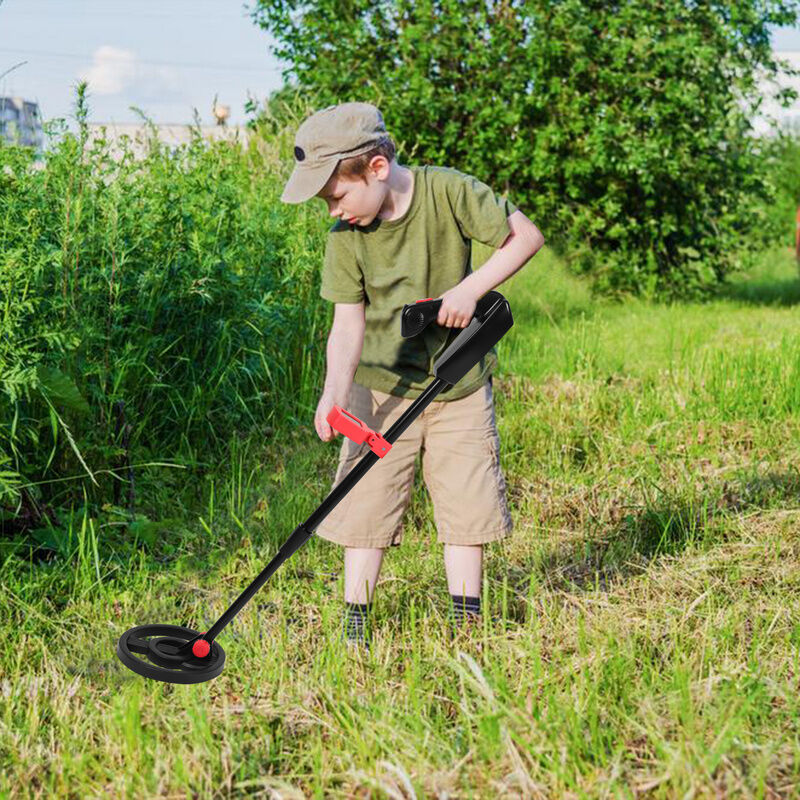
458,306
324,430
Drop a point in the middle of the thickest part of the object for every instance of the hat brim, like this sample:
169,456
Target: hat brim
305,183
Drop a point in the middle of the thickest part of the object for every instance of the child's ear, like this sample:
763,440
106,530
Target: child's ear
379,166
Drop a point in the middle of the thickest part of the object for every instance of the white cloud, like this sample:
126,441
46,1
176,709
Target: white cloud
112,70
115,71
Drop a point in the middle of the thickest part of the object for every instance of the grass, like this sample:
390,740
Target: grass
648,642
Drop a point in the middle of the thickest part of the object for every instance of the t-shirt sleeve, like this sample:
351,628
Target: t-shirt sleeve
342,278
481,214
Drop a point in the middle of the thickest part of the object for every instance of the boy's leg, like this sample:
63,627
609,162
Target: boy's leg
362,565
463,564
369,518
462,471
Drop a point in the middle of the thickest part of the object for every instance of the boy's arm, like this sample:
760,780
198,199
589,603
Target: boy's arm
524,241
344,352
522,244
344,349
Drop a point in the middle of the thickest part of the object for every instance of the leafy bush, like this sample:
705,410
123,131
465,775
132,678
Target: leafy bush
621,129
172,294
782,156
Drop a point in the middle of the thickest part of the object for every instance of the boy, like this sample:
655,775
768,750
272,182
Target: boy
403,234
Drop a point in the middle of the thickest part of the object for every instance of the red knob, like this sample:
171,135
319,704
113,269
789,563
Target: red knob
201,648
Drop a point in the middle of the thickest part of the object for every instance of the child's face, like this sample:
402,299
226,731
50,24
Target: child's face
352,200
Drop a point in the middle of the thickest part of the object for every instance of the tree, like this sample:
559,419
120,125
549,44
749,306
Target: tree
621,128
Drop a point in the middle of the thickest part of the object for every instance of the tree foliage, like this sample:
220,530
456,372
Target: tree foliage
622,129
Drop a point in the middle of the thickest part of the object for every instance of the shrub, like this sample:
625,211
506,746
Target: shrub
172,293
621,129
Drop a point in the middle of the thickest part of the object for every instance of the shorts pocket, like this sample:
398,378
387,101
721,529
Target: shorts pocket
491,444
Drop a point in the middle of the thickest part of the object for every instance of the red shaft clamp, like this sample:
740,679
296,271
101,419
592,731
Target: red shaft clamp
353,428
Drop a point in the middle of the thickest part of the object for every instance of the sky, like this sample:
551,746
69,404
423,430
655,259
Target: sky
166,57
786,44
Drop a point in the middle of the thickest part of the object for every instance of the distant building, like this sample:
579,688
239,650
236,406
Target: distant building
171,135
21,122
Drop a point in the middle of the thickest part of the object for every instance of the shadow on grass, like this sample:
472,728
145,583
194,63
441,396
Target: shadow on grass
606,558
782,293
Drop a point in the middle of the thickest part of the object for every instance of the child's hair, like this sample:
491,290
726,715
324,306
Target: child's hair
356,167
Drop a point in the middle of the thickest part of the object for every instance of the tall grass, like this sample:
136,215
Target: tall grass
151,309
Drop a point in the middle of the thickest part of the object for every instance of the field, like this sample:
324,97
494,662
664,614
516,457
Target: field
645,641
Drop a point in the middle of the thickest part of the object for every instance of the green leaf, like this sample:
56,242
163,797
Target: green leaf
149,531
61,388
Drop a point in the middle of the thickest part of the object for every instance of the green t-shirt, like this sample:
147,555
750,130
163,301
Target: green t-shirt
423,254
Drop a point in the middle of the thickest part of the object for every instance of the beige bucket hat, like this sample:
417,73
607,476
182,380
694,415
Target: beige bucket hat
325,138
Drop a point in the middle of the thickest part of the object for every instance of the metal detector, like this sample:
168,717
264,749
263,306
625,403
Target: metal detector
175,654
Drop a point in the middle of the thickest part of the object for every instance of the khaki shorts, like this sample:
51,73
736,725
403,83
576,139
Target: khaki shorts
460,463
